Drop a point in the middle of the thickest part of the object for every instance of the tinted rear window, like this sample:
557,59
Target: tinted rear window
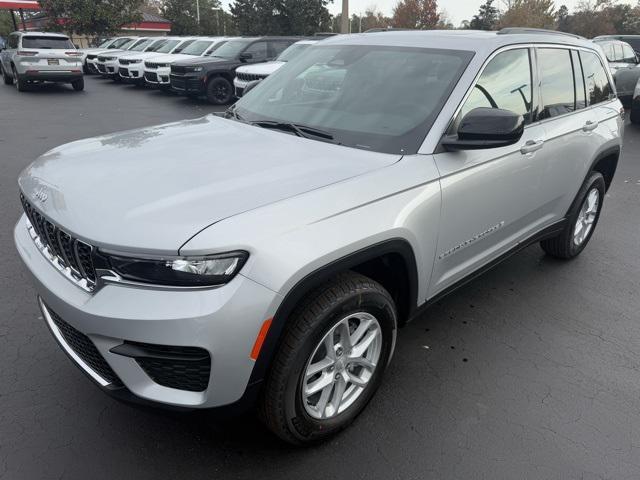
61,43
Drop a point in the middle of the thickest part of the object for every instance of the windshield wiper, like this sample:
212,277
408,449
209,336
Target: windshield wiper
297,129
233,113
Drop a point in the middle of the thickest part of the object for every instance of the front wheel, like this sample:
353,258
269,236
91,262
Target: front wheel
219,91
581,220
331,359
8,79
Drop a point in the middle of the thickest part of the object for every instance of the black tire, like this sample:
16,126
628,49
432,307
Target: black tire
8,79
21,84
219,91
281,406
563,246
78,85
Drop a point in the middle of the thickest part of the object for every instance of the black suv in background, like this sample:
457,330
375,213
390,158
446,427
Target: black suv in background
212,76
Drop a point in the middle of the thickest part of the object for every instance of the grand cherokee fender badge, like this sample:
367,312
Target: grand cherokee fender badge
41,195
473,239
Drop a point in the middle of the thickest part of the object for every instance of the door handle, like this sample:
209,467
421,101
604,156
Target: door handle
590,126
532,146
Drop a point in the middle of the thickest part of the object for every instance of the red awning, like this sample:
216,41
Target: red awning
19,4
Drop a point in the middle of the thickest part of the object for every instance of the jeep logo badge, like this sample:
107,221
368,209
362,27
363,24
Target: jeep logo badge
41,195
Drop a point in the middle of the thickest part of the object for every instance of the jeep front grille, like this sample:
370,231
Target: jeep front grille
249,77
155,65
70,256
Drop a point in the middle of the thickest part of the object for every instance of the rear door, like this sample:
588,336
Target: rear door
491,198
7,53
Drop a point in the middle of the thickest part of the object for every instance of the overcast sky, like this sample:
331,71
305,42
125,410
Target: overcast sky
458,10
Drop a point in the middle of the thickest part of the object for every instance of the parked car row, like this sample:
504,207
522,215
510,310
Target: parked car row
194,66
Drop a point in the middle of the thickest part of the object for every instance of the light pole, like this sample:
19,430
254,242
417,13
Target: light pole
345,23
198,10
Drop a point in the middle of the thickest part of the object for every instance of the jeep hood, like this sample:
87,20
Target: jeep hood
152,189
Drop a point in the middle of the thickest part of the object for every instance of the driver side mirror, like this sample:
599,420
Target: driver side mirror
245,56
483,128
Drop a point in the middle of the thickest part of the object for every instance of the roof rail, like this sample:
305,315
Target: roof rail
515,30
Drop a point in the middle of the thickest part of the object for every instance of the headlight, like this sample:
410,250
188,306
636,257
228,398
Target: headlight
209,270
197,69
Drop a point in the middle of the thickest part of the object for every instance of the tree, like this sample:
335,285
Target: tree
183,15
562,19
6,24
529,13
418,14
280,17
91,17
487,17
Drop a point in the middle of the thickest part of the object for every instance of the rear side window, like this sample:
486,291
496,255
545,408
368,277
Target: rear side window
60,43
556,82
628,55
505,83
13,41
607,47
258,51
278,47
595,78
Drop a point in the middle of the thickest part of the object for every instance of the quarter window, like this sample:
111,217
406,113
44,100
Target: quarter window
629,56
505,83
595,78
556,83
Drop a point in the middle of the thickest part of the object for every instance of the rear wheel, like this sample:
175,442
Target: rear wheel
331,359
78,85
219,91
582,220
20,84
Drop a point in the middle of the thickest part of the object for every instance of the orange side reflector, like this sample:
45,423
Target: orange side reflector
262,334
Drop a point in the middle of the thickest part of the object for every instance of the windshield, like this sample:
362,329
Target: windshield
155,45
231,49
293,51
106,43
141,45
47,43
197,47
182,46
348,92
167,46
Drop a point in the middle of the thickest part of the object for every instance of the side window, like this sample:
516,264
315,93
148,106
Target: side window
258,51
595,78
278,47
556,82
13,41
607,48
617,49
578,78
628,55
505,83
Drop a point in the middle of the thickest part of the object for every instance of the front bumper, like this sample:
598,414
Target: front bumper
132,72
158,76
109,69
224,321
188,84
239,86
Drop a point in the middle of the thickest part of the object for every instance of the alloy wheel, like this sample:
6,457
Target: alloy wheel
341,365
586,217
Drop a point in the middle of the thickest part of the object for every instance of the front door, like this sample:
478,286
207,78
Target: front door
491,198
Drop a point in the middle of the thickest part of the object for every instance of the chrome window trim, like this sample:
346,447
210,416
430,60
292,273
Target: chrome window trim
67,348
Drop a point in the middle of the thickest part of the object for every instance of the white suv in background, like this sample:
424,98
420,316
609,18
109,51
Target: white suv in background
131,67
157,69
108,63
260,71
36,57
90,55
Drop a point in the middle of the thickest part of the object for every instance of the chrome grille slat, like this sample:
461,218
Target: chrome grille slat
69,255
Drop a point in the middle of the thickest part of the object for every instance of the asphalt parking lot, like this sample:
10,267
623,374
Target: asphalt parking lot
530,372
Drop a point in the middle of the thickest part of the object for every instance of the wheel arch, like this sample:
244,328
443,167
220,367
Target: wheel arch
606,162
220,73
391,263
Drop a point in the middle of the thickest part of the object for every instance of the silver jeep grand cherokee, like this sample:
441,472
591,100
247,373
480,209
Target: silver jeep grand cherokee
269,257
